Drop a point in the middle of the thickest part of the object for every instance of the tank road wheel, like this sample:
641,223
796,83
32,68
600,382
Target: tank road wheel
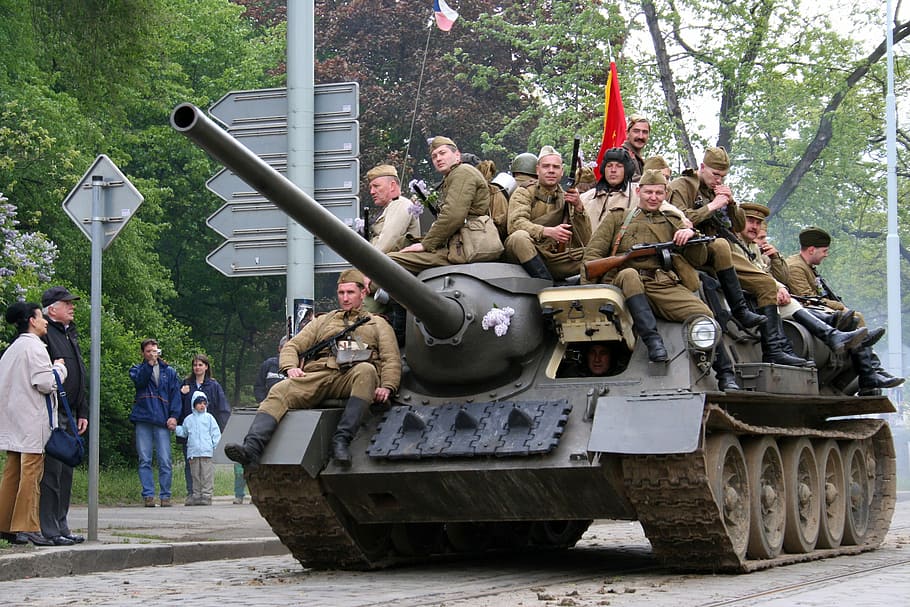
832,494
769,498
558,534
730,485
803,510
859,492
469,537
418,539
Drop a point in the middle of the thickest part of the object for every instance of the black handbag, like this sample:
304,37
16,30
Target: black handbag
68,448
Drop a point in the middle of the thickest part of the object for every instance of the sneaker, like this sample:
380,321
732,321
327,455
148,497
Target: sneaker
165,502
238,500
149,502
189,501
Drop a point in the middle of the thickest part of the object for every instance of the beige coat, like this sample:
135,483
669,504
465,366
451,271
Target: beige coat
393,224
25,377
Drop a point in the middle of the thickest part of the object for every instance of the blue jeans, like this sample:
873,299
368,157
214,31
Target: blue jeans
150,437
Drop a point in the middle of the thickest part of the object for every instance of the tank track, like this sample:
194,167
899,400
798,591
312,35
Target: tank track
681,519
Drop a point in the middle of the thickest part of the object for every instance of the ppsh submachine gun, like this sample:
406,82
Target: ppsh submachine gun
598,267
489,447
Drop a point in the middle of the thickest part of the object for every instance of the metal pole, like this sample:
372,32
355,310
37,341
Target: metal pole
895,329
301,87
94,416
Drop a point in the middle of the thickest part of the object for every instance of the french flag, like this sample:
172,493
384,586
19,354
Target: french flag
445,15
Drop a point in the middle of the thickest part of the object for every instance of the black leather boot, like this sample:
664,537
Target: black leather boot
346,429
873,337
870,380
776,347
733,291
646,326
723,371
257,437
838,341
536,268
846,320
877,363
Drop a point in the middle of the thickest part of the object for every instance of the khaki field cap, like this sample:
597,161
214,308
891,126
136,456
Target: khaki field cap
814,237
717,159
548,150
755,210
637,118
351,275
652,177
656,163
440,141
383,170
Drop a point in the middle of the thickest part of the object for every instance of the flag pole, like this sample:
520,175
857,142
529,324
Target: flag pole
407,149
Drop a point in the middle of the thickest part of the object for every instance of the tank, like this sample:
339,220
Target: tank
498,441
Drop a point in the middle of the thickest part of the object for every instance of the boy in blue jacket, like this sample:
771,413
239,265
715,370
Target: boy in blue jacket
200,429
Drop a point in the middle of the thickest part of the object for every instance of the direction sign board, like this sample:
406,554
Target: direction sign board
333,101
336,178
119,199
250,257
248,220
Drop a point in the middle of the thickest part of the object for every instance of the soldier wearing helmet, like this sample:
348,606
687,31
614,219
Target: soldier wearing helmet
524,169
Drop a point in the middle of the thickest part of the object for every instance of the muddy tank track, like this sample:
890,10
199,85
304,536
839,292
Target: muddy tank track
688,529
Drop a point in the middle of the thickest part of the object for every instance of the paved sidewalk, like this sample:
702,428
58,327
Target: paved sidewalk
135,536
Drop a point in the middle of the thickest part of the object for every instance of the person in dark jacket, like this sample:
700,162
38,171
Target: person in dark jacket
155,414
57,482
269,374
201,380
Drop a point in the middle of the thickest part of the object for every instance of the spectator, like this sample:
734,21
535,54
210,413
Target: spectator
201,380
155,414
200,429
26,376
269,374
57,483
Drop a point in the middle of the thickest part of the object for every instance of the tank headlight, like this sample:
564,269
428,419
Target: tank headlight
702,333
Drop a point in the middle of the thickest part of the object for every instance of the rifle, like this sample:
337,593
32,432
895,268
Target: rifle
316,348
598,267
570,183
828,292
715,221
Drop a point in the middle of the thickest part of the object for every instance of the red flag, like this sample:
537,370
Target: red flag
614,118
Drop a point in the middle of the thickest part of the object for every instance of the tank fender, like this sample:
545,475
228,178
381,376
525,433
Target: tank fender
653,424
302,438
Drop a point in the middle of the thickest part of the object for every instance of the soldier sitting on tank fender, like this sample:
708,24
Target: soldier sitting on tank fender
373,375
548,227
463,193
642,280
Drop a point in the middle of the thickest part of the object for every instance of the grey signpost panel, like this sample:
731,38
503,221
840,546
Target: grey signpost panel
101,204
258,119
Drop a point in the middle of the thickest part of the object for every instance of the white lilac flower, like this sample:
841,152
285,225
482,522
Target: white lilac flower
499,319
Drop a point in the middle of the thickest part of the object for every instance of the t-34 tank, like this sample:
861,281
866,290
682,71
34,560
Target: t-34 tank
497,442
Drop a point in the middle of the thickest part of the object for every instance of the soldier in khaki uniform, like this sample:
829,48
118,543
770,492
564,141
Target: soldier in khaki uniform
638,131
805,282
644,283
548,227
373,373
463,193
709,205
395,224
524,169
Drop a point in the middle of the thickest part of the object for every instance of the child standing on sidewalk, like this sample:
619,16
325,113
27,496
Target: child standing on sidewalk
202,435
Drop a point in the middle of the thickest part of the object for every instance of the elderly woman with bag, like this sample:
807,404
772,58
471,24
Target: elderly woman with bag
26,376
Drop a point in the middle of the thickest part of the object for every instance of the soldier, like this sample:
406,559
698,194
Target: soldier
524,169
364,366
637,134
548,227
767,259
644,283
805,281
463,193
658,163
709,205
395,223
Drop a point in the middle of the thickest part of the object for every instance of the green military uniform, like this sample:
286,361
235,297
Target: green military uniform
324,377
804,282
664,287
533,208
463,193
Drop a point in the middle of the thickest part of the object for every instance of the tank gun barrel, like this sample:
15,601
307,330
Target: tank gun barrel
441,316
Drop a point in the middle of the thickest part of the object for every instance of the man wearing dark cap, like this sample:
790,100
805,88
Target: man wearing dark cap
709,205
395,222
462,195
362,366
637,134
57,482
805,281
645,283
548,227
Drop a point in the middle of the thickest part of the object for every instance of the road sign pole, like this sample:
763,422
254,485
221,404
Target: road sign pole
95,365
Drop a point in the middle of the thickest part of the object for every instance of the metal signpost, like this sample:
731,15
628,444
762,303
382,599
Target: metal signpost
255,229
101,204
